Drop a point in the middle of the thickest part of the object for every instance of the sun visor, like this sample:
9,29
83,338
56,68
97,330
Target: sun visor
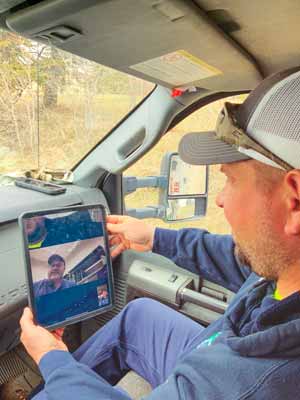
171,42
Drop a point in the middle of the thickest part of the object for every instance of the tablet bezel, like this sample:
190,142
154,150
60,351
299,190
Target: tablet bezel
28,269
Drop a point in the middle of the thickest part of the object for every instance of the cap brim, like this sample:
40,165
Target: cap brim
205,149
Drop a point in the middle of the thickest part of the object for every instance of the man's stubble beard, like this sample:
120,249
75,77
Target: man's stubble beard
53,276
265,254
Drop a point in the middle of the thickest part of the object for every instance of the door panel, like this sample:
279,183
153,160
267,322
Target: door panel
130,284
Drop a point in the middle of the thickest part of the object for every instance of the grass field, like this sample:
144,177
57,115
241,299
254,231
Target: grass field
63,134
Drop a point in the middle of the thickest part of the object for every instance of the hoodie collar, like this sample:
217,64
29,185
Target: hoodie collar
278,325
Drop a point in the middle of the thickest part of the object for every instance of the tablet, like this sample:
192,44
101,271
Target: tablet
68,264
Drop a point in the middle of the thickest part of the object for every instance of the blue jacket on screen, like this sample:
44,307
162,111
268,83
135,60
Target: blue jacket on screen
46,286
252,352
76,226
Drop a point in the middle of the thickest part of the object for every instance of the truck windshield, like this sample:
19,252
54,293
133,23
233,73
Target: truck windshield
54,106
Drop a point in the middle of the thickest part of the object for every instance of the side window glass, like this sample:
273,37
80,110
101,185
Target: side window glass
201,120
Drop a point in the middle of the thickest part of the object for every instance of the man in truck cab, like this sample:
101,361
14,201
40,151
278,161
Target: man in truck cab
253,350
55,277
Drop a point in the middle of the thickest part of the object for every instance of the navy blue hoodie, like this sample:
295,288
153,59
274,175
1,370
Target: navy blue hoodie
252,352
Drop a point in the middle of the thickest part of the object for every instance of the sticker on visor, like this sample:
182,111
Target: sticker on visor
179,68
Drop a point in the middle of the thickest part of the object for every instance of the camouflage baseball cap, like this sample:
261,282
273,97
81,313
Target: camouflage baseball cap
266,127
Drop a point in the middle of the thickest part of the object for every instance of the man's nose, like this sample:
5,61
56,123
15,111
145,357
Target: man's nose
220,199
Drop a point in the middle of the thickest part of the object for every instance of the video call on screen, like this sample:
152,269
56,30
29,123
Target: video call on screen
68,264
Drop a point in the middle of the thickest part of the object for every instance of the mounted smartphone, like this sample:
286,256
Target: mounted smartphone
68,264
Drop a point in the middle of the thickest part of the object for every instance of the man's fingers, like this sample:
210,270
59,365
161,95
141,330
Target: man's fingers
58,332
114,240
116,219
27,318
117,250
28,313
111,236
56,336
115,228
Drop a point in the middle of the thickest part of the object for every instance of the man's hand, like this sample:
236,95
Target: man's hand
129,233
37,340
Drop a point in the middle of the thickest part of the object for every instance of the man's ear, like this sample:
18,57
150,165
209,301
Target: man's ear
292,183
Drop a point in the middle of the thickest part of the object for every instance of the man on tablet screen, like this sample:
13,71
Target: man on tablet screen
55,281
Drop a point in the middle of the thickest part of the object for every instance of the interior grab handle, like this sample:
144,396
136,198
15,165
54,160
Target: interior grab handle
191,296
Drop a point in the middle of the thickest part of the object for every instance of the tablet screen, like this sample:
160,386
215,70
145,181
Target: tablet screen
68,264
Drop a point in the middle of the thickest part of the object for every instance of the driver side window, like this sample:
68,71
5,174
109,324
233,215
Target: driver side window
149,165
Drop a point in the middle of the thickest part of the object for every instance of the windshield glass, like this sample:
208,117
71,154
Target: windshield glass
56,106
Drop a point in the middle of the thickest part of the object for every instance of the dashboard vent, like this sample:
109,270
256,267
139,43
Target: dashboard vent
10,367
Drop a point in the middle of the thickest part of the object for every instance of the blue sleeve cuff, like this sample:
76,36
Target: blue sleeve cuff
165,242
53,360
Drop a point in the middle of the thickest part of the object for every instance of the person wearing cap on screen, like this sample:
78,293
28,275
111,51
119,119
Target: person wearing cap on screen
253,351
55,280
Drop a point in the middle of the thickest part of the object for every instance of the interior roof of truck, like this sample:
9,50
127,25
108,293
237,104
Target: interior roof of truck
219,45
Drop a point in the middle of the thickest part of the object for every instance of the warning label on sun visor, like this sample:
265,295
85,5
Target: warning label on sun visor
179,68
